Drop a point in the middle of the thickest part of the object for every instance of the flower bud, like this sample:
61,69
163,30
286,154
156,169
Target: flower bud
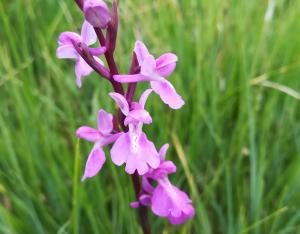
96,13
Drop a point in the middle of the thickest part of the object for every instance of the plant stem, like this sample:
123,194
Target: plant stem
143,215
134,69
79,3
85,54
110,62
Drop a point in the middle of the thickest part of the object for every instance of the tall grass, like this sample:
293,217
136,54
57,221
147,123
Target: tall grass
236,141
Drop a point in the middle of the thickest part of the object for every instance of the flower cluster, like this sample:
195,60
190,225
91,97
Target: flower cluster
130,145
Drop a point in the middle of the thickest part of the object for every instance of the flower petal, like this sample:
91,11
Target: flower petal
163,151
148,65
146,185
131,78
161,202
144,155
121,102
66,51
167,93
165,168
81,69
120,150
88,133
67,38
105,124
133,164
169,201
97,51
140,159
88,34
181,219
144,97
166,64
148,151
136,116
107,140
94,163
168,167
145,199
135,204
141,51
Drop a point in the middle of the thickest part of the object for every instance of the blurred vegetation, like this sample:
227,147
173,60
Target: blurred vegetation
236,141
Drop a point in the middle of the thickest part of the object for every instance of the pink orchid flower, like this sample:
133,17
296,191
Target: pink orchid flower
133,147
101,137
156,71
166,200
66,49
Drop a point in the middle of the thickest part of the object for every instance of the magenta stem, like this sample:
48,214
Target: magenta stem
79,3
143,212
83,51
134,69
110,62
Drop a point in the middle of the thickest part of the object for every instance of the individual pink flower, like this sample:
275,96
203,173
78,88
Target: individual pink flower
96,13
169,201
166,200
66,49
101,137
133,147
156,71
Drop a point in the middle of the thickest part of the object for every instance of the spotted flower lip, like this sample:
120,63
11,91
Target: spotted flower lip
66,50
133,147
101,137
156,71
96,13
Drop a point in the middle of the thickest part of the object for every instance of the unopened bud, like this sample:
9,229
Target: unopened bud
96,13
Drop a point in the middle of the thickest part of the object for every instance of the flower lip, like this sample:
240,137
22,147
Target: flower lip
134,149
178,206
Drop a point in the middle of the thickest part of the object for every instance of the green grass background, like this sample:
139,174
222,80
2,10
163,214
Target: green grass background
235,142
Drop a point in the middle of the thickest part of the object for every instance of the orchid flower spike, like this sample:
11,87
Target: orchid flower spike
66,49
166,200
133,147
96,13
101,137
156,71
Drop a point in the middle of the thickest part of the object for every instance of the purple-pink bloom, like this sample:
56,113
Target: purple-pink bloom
96,13
156,71
169,201
67,50
101,137
166,200
133,147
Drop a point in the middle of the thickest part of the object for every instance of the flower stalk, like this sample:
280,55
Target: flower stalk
124,131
